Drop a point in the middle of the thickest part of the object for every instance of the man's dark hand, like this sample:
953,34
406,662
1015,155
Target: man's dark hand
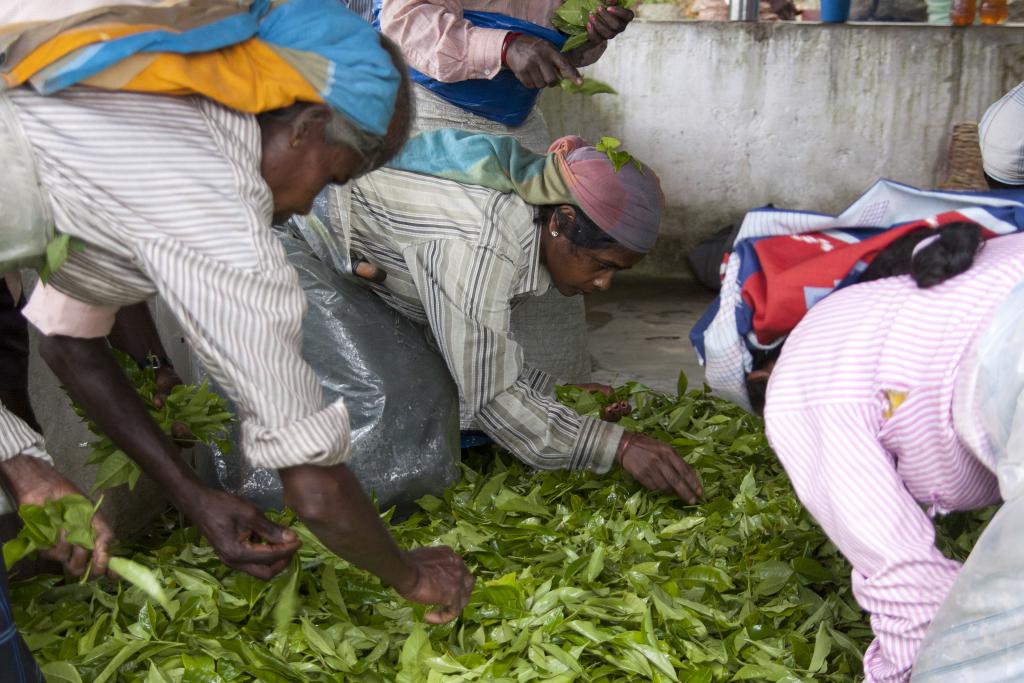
242,536
441,579
538,64
606,22
658,467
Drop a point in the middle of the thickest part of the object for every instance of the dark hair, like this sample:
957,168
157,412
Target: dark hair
582,232
994,184
757,388
950,254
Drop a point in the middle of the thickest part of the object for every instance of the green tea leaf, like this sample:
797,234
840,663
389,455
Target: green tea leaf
141,577
590,86
60,672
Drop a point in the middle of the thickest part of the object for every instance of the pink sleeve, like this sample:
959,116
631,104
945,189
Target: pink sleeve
437,41
55,313
849,482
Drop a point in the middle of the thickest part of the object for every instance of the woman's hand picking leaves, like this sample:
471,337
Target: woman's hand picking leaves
538,64
603,24
442,579
658,467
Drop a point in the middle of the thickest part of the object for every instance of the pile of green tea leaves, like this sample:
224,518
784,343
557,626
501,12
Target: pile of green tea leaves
202,413
579,578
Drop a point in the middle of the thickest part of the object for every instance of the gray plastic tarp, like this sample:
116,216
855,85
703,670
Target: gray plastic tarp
402,402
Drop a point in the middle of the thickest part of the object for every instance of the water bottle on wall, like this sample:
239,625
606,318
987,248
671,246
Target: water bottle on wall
994,11
961,12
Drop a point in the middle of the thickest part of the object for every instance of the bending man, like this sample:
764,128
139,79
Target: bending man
175,196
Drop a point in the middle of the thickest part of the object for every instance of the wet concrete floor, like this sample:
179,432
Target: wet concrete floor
639,330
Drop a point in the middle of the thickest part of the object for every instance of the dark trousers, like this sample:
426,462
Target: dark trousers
16,663
13,342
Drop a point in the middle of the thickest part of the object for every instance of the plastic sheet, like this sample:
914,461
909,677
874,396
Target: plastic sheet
978,634
402,402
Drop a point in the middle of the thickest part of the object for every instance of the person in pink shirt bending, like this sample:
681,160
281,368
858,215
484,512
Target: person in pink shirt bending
480,64
874,409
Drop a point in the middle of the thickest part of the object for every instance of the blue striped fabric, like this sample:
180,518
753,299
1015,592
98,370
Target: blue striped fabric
16,663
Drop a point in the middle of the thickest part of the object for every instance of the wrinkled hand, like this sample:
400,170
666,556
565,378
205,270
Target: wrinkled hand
243,538
606,22
442,579
538,64
658,467
166,380
613,412
51,485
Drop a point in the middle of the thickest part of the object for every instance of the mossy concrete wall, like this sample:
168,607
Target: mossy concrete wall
804,116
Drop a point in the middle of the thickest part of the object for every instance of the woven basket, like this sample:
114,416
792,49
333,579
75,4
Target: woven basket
963,163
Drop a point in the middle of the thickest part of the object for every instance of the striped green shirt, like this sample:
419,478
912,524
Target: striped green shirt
459,258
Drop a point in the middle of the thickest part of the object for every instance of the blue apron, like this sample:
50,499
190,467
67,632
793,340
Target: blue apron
502,98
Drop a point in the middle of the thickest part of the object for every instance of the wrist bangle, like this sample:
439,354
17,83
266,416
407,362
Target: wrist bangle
509,37
627,439
155,362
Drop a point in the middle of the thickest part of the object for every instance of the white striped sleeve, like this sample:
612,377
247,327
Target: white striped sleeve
850,484
17,438
246,328
465,291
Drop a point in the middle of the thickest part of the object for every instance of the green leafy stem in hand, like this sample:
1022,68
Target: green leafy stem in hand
69,518
590,87
203,412
572,17
42,526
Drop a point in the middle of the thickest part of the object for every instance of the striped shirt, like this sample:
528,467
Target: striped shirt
860,413
458,259
17,438
167,194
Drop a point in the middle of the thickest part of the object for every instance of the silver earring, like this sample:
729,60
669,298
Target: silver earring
554,233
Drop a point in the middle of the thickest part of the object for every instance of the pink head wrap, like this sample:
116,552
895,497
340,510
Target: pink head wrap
626,204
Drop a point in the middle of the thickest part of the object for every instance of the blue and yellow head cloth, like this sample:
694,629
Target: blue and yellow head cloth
250,56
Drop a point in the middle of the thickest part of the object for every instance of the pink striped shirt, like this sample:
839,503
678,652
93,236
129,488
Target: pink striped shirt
859,412
437,41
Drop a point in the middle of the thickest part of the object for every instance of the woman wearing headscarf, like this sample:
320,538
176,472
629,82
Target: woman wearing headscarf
467,226
480,65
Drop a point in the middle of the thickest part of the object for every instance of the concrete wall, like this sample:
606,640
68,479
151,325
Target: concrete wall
805,116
